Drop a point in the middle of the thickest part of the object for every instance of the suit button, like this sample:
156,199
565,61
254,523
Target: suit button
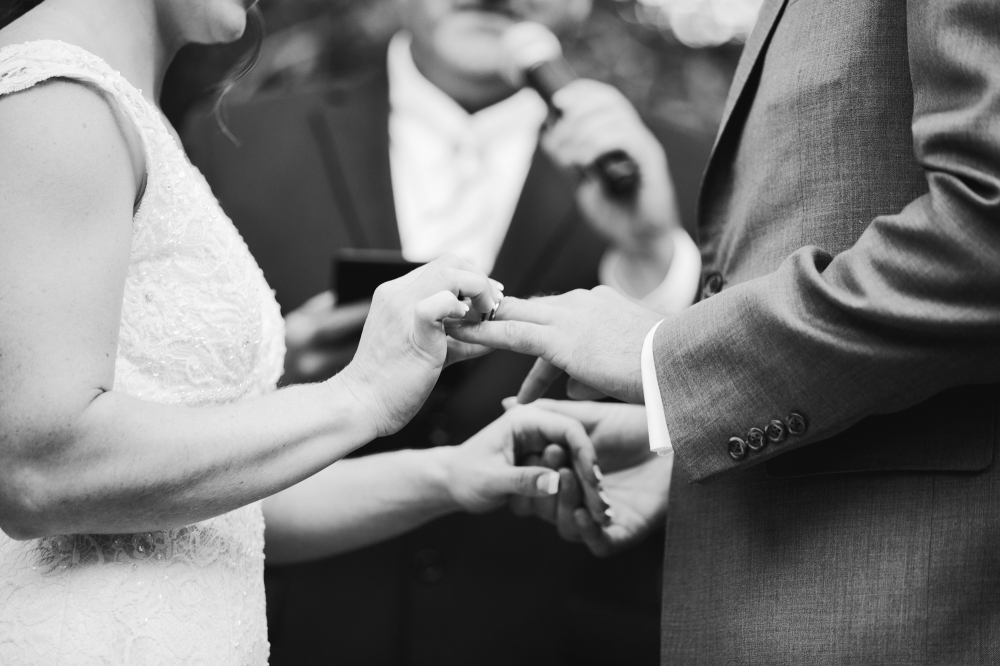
775,431
712,285
756,439
796,423
737,448
428,566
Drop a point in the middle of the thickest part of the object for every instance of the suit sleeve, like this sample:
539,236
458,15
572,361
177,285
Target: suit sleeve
911,309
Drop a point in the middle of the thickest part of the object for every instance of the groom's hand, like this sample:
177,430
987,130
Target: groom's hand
595,336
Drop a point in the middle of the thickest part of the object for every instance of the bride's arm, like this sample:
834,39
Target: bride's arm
77,456
361,501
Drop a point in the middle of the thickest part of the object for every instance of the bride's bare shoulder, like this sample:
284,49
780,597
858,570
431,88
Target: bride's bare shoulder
66,130
62,139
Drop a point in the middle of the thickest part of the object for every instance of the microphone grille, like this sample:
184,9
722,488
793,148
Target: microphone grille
525,45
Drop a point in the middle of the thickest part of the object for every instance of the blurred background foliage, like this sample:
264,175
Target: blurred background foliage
673,58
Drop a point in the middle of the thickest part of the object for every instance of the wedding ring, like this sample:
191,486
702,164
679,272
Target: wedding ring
493,312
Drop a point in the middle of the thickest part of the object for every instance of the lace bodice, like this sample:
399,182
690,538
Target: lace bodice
199,326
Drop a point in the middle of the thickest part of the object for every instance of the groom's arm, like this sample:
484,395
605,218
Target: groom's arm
912,309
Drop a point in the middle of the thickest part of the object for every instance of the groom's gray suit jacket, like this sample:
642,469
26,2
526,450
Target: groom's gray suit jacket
848,338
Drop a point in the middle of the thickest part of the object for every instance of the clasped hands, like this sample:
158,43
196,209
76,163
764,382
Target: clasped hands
596,337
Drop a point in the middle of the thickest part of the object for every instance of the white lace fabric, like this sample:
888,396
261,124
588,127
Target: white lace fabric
199,326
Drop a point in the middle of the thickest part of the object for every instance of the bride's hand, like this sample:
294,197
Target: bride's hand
404,346
481,473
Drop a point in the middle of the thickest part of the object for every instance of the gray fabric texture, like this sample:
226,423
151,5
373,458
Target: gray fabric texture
852,210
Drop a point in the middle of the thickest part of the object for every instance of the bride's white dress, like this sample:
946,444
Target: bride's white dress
199,327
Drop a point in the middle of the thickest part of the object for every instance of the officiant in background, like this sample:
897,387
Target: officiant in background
381,126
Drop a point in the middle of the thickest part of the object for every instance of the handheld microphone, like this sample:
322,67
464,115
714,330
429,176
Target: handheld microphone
532,56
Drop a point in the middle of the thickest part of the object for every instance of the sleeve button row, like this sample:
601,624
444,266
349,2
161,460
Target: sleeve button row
776,431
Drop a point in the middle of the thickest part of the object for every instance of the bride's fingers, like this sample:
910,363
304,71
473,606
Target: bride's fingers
462,279
537,429
429,314
541,377
454,261
468,284
554,458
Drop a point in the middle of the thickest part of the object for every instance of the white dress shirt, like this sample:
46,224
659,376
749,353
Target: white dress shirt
456,176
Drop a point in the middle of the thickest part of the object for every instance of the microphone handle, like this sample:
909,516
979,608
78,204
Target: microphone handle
619,173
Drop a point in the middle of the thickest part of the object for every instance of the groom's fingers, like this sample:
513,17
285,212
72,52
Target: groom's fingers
541,377
567,503
538,310
587,413
577,390
521,506
463,351
517,336
592,535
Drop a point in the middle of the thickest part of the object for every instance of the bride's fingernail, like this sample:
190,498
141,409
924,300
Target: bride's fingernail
548,483
598,473
604,497
609,515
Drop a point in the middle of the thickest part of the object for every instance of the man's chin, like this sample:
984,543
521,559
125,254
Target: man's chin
470,41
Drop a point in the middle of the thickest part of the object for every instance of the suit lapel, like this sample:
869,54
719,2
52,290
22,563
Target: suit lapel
352,133
540,223
747,69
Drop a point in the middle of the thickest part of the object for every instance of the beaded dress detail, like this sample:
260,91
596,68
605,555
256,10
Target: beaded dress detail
199,326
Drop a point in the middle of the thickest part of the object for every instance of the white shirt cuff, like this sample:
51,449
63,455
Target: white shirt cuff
679,286
656,422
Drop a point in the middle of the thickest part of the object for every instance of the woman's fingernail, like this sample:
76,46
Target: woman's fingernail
609,515
598,473
604,497
548,483
497,284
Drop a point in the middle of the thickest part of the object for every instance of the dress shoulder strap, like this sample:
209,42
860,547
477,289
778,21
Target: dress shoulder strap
25,65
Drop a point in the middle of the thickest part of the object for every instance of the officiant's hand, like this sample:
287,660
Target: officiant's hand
597,119
321,338
635,481
596,336
482,472
403,344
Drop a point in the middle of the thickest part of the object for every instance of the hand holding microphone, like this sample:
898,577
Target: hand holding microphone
626,193
533,57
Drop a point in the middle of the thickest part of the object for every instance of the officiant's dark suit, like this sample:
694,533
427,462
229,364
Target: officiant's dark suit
312,175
